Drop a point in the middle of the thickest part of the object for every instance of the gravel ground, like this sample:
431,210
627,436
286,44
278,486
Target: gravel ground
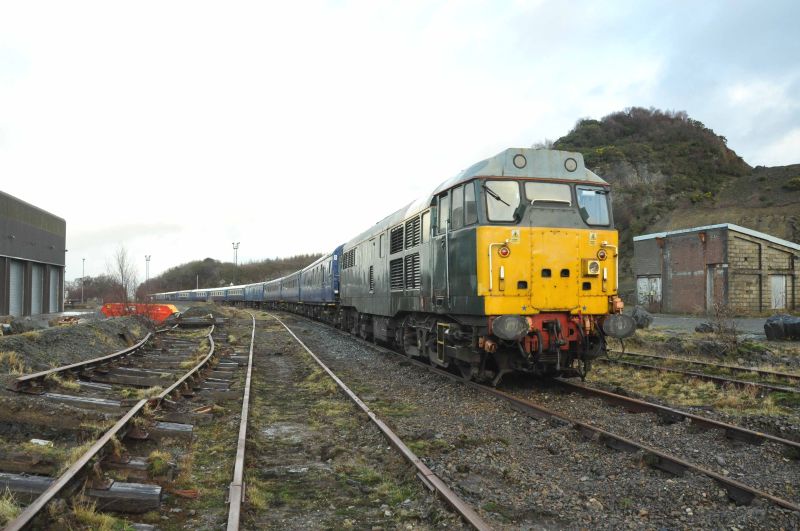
523,473
766,466
315,462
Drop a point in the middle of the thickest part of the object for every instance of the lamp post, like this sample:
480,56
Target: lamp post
235,253
83,276
147,267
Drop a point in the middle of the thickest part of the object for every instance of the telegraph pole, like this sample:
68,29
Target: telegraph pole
147,267
235,253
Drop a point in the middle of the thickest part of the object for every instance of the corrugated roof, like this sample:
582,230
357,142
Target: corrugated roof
729,226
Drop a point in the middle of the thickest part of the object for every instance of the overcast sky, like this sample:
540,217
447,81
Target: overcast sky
176,128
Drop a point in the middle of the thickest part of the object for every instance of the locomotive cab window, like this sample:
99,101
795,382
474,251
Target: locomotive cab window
443,213
470,206
426,226
502,200
593,205
536,192
457,216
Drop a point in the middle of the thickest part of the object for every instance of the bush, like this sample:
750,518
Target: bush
793,184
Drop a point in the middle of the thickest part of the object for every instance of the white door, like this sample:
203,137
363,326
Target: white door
648,290
16,288
778,288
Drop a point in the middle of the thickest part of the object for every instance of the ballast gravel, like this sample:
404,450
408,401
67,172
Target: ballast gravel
525,473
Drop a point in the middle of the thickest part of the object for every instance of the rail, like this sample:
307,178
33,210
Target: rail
424,473
24,382
236,489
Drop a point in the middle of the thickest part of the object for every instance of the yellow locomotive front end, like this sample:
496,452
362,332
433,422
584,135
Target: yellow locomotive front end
547,265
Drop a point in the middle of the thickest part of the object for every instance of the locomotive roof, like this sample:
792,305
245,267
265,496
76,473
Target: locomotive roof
520,163
528,163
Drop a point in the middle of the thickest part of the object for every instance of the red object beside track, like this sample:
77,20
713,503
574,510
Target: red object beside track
156,312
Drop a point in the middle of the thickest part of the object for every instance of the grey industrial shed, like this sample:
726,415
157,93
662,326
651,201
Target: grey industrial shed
690,270
32,252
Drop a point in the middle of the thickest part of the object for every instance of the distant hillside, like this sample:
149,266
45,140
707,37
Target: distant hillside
213,273
669,172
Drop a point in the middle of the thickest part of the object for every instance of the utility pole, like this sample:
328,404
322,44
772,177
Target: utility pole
235,253
83,276
147,267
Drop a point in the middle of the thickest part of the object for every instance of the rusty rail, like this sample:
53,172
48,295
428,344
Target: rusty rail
702,376
23,382
236,488
425,474
634,404
30,512
734,368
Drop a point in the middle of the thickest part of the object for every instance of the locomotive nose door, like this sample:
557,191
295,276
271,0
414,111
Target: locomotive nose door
554,256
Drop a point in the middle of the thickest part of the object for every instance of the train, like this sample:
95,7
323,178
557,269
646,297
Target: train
510,266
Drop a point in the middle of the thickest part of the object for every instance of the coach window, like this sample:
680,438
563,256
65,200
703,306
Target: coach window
457,219
502,199
470,206
444,213
426,226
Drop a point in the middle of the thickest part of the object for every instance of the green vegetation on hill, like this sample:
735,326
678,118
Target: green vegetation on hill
657,162
212,273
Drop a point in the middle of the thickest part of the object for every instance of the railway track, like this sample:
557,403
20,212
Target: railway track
718,379
738,489
424,473
145,392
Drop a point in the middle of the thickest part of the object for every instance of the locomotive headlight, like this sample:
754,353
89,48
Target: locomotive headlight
602,254
504,251
591,267
510,327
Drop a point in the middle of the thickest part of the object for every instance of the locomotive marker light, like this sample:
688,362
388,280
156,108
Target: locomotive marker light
571,164
602,254
504,251
520,161
591,268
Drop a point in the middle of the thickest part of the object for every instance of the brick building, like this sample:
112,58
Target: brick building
690,270
31,259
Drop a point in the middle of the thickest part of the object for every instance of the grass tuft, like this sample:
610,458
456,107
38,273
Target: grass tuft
9,507
12,363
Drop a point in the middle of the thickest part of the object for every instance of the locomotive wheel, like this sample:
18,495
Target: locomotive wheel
466,369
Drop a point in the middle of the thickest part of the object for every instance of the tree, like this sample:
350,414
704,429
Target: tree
123,272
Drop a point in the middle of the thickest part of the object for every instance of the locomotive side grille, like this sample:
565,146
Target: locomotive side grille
413,274
396,240
349,259
413,232
371,278
396,274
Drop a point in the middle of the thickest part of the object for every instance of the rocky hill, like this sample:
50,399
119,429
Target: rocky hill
669,172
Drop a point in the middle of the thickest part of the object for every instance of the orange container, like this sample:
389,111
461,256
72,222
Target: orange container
155,312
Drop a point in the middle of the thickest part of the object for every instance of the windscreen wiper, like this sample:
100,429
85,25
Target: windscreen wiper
494,194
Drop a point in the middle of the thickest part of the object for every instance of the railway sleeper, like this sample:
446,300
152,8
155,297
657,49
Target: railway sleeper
119,496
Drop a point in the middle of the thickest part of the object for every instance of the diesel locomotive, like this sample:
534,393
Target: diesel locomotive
511,266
